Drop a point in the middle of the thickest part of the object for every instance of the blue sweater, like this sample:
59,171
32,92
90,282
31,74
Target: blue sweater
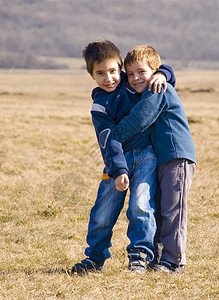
170,134
107,110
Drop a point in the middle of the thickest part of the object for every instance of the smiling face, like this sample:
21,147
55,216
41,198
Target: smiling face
107,74
139,74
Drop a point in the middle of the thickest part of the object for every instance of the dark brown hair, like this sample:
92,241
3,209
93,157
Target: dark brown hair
99,51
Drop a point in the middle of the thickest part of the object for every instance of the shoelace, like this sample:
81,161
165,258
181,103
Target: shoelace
137,259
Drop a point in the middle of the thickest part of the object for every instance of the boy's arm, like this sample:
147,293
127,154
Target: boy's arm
142,115
168,72
163,75
110,145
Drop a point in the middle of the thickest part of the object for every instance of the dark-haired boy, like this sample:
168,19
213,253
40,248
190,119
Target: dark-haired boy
128,165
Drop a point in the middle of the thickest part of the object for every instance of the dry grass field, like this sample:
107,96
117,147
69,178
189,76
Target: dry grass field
50,167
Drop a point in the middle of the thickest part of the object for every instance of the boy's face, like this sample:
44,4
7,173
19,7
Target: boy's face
107,74
139,74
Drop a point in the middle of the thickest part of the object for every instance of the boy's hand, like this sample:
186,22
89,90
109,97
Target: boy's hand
122,182
157,80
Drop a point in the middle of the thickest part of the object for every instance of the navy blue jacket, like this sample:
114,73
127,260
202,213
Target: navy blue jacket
164,114
107,110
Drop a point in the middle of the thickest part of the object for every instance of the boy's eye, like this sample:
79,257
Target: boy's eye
113,71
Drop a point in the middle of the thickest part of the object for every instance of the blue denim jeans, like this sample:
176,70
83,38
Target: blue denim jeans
140,213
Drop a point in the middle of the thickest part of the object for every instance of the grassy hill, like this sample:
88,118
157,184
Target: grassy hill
182,31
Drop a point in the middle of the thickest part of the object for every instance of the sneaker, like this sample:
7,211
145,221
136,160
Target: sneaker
137,261
87,265
166,267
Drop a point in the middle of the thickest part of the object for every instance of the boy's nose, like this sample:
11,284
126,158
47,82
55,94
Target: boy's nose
108,77
136,77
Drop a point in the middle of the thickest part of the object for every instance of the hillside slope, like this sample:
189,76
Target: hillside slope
186,30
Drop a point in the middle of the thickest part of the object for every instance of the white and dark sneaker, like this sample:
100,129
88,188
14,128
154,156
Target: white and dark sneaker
137,261
166,267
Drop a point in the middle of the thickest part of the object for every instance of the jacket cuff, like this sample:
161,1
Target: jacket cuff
118,172
166,73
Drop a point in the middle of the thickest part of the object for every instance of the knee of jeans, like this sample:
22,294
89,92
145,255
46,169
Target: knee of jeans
138,211
100,220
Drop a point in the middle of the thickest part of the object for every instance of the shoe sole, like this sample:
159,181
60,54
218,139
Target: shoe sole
165,270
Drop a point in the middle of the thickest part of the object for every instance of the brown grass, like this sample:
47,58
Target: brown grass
50,167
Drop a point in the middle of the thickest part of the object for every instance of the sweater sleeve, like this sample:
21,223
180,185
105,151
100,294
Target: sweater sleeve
142,115
109,142
168,72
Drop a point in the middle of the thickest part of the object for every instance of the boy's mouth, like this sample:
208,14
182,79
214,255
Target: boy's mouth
110,85
138,83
